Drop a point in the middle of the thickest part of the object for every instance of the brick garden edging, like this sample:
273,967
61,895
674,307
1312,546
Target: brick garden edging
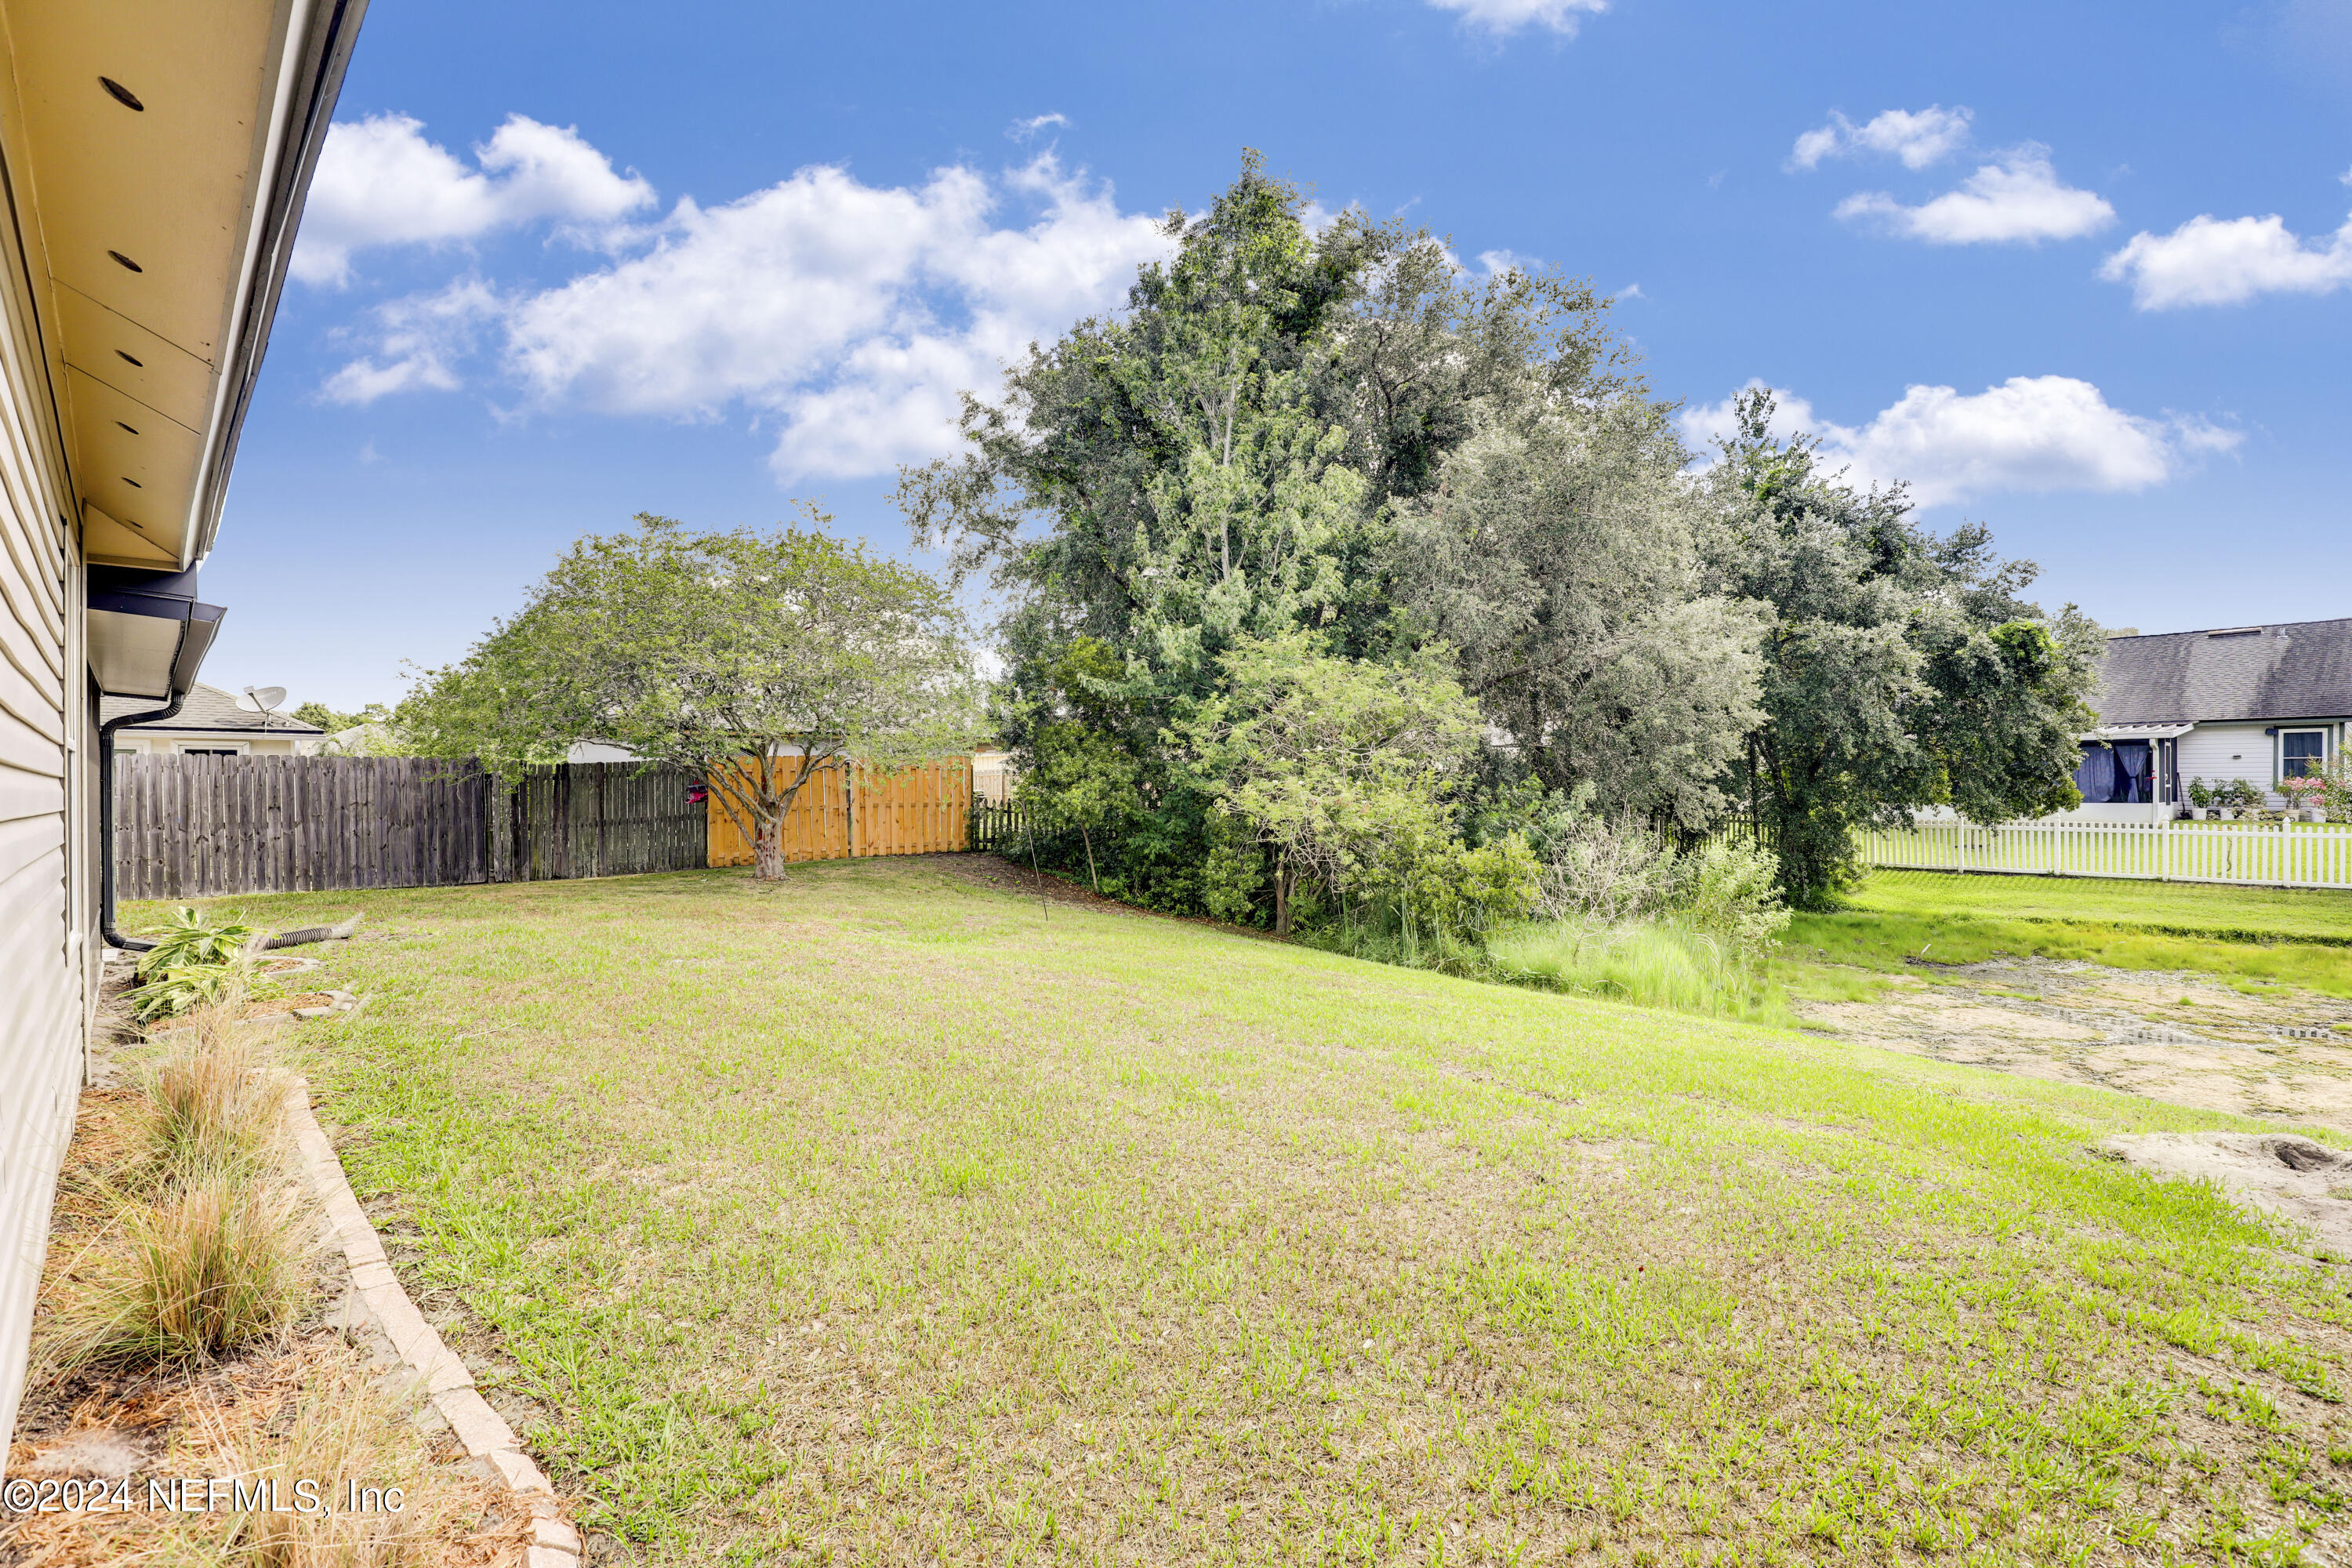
485,1433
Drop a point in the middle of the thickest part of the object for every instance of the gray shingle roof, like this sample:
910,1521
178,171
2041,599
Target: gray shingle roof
207,707
2302,669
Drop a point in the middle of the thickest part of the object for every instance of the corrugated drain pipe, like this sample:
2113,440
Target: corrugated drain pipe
106,821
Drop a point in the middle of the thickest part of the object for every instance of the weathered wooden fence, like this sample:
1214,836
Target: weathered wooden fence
191,827
2269,855
1001,829
845,810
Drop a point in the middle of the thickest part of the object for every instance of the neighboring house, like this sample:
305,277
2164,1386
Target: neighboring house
153,159
211,724
2257,703
992,775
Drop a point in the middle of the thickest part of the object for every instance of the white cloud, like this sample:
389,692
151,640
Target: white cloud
418,342
2019,199
1918,137
854,314
379,182
1495,261
1504,17
1022,129
2031,434
2226,261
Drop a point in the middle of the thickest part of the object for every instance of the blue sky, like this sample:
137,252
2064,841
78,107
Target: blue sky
2082,272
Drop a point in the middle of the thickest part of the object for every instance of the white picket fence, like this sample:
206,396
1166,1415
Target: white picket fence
2261,854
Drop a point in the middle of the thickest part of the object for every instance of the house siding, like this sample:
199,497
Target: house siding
46,943
256,744
2219,752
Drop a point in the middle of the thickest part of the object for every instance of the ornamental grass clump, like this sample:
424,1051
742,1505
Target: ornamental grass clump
384,1503
219,1263
212,1104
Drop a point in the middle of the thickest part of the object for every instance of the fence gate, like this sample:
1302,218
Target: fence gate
846,810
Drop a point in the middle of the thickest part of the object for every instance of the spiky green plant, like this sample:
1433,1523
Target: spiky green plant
188,939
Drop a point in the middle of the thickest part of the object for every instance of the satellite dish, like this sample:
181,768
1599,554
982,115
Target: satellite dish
260,698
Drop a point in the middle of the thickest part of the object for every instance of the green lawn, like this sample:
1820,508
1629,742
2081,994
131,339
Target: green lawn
2253,937
882,1218
2185,909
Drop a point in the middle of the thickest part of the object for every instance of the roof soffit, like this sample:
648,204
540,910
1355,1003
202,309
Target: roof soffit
170,186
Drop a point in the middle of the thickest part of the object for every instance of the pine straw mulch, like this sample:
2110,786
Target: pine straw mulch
233,1416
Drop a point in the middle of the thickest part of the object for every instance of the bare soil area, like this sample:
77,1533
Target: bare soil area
2184,1039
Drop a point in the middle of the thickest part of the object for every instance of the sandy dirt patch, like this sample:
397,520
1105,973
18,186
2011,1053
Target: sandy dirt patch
2184,1038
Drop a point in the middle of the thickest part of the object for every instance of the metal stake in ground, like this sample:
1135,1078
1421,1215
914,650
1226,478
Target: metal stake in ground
1045,911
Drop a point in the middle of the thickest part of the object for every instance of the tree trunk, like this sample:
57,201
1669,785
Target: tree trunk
1094,876
1282,880
768,849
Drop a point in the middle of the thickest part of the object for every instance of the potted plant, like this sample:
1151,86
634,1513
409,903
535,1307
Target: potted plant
2302,797
2241,798
2201,798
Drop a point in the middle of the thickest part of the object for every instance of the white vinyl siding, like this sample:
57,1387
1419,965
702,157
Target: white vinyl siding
2223,752
2219,752
44,956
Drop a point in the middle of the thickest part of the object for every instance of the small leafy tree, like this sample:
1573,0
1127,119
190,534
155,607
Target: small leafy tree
757,660
1339,768
331,720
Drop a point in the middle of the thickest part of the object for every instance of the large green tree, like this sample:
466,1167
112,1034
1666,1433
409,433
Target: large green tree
754,657
1224,462
1560,552
1901,669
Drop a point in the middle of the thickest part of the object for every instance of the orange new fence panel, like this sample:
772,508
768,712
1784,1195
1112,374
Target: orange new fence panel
845,811
914,811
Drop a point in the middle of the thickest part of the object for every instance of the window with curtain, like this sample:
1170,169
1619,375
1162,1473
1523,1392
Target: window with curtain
2131,770
2301,752
2096,776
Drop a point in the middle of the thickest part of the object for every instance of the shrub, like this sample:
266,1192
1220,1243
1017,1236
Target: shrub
1729,891
188,987
219,1264
188,939
1599,871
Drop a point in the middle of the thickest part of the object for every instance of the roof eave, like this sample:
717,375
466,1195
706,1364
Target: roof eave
317,51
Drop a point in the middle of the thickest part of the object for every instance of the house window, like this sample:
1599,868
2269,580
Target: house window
2301,752
236,751
2114,772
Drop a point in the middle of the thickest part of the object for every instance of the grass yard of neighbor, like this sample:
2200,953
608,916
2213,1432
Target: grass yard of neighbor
880,1217
2253,937
2181,908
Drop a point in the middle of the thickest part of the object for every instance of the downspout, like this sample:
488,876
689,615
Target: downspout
113,938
